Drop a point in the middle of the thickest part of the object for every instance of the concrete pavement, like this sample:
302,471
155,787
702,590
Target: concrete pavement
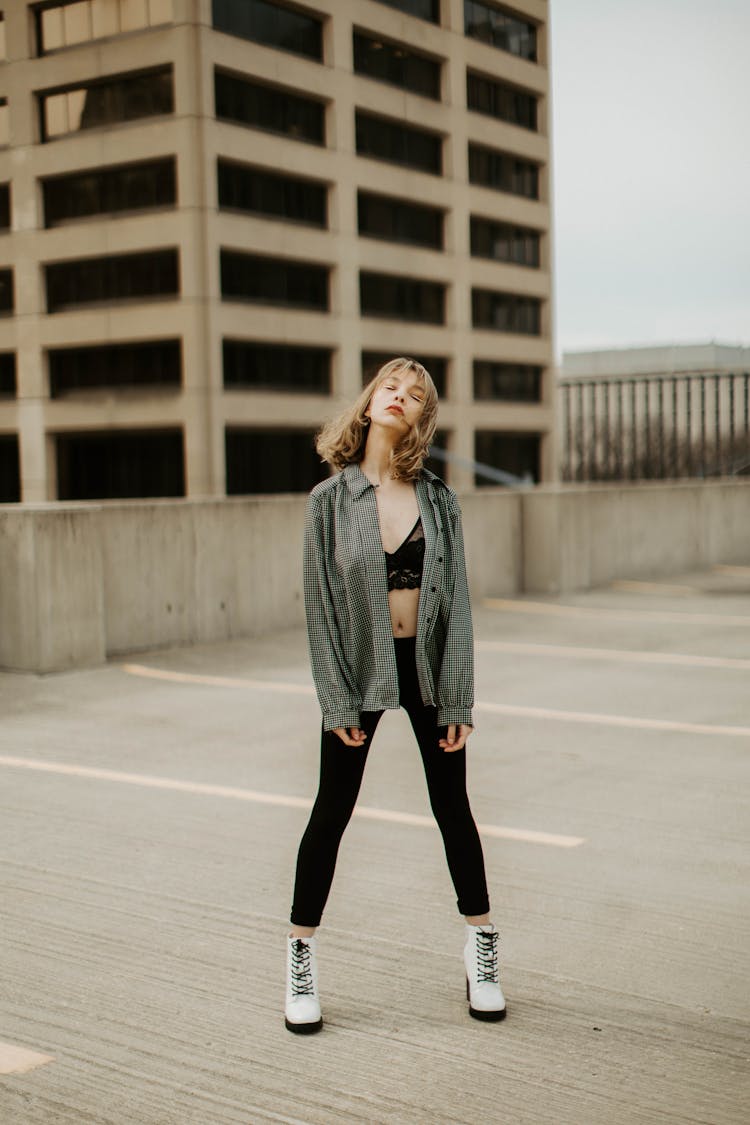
150,812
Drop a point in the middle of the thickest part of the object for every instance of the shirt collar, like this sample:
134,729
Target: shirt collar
357,482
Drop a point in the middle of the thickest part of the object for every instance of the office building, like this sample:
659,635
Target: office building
216,216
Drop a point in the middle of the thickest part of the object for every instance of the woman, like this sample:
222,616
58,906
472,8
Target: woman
389,625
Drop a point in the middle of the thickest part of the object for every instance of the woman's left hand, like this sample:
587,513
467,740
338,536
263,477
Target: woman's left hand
456,737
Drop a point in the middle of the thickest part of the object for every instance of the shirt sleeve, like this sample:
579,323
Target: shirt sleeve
455,693
338,697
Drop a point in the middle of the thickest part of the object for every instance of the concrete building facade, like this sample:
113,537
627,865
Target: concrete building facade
219,214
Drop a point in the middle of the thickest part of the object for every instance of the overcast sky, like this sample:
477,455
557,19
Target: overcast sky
651,160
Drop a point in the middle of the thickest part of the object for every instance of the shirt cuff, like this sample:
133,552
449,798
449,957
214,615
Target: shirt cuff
448,715
343,718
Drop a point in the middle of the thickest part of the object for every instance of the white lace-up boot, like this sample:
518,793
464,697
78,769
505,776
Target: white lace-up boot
483,991
302,1012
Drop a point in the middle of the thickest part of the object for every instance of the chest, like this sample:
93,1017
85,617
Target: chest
397,511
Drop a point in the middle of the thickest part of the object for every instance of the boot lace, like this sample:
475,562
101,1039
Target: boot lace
302,979
487,956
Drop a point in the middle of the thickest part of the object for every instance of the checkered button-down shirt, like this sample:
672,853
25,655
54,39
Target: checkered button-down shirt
346,603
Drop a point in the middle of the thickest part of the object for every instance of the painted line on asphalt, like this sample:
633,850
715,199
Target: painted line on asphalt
18,1060
739,571
630,585
681,659
510,605
149,781
498,708
629,721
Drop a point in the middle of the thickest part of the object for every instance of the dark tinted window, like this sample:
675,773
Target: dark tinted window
109,101
103,191
423,9
396,64
384,139
504,242
436,365
401,298
274,25
267,107
273,281
7,297
243,188
120,278
500,29
381,216
505,312
10,474
498,99
116,464
507,382
435,463
8,373
271,461
502,171
4,206
276,367
512,453
153,364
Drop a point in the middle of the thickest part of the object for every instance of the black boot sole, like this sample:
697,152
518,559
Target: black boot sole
303,1028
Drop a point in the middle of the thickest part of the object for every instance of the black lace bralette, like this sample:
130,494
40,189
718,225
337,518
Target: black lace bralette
404,565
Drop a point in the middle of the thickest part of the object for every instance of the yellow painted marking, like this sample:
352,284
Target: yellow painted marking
612,720
283,799
616,654
498,708
217,681
17,1060
664,588
510,605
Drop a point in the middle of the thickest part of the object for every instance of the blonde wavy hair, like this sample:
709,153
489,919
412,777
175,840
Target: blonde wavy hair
341,441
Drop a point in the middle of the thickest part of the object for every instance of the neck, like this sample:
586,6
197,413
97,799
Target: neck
376,463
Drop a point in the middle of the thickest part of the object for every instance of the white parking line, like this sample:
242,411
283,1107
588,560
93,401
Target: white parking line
526,835
17,1060
499,708
511,605
616,654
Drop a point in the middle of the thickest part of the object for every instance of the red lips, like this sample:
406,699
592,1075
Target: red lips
394,406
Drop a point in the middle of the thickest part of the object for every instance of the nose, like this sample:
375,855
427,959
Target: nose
400,394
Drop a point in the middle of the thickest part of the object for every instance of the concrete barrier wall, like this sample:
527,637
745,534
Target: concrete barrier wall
81,582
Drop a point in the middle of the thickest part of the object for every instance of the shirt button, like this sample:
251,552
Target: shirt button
433,588
440,559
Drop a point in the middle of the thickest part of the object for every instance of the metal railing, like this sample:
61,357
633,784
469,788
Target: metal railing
655,427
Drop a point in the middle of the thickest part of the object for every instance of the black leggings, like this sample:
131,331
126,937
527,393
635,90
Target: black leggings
341,771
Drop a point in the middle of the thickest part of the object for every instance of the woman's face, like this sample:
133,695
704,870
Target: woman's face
398,401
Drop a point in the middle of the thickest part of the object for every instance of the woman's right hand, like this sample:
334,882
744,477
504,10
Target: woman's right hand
351,737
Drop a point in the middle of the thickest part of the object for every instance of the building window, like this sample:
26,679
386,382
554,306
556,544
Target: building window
436,365
7,296
501,100
423,9
151,364
244,102
401,298
507,382
258,192
4,123
381,216
7,374
10,469
273,281
110,101
500,170
500,28
120,464
276,367
272,460
4,206
109,191
383,139
124,277
504,242
514,453
79,21
396,64
3,47
273,25
506,312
